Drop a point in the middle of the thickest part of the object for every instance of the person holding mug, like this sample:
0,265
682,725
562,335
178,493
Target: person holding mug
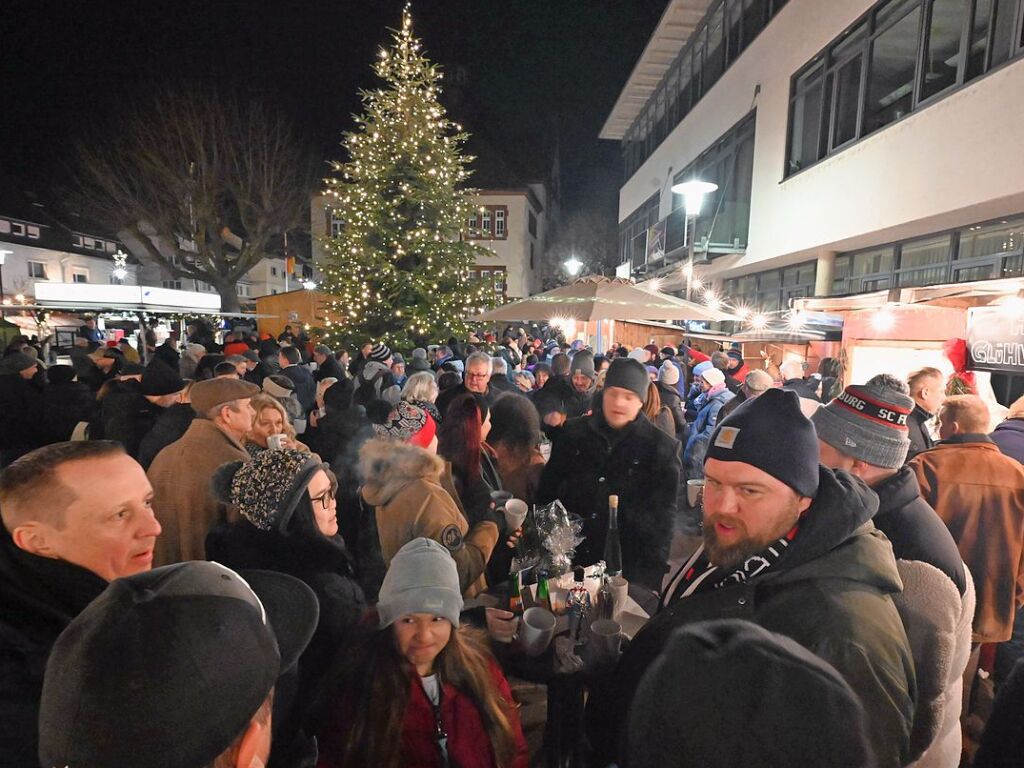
421,689
271,429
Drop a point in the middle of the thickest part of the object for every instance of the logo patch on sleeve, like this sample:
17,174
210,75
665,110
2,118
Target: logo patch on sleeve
451,538
727,437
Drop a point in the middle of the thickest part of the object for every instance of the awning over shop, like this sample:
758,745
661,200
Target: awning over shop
955,295
128,299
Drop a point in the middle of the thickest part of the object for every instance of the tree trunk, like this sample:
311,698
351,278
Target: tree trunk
228,298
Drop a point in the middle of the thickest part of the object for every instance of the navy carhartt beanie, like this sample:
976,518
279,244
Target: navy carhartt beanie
771,433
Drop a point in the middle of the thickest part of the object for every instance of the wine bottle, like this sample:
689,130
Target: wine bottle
515,601
612,545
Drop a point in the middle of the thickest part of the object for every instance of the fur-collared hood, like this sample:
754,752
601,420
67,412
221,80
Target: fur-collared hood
388,467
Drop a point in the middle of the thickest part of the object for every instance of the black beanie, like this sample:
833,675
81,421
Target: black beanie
628,374
779,704
583,362
60,374
160,379
771,433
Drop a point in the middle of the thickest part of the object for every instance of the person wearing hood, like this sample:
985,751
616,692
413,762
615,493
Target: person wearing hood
375,381
616,450
864,432
788,545
288,522
1009,434
717,394
806,714
404,483
696,396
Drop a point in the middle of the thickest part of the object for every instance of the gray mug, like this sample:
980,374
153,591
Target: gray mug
536,628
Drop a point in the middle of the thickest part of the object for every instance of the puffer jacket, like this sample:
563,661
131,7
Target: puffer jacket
700,434
831,591
403,484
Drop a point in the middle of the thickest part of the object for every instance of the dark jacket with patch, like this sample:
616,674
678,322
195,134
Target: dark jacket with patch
831,591
639,463
38,598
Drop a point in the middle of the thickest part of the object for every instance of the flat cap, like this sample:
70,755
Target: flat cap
210,393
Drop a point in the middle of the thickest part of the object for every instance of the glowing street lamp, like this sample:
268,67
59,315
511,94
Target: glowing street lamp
693,192
573,266
309,285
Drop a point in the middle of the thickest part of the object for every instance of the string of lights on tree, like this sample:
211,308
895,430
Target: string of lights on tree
399,270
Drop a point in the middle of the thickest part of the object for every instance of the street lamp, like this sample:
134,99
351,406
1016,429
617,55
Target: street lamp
3,257
120,270
573,266
693,192
309,285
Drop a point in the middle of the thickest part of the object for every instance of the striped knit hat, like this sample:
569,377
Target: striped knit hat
380,352
868,423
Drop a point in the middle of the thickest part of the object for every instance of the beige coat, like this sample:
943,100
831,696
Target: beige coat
403,484
183,499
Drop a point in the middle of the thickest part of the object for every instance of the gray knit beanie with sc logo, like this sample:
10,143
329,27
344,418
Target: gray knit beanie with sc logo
422,578
868,423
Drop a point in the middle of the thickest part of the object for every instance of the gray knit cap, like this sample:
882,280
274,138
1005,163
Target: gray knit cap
422,578
868,423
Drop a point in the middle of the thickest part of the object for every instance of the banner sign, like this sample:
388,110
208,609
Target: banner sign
995,339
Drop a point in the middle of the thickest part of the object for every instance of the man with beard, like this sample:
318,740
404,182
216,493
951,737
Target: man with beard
788,545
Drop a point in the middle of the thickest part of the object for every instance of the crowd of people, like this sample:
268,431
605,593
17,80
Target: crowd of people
256,551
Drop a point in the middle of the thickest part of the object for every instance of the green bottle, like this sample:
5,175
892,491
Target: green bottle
544,592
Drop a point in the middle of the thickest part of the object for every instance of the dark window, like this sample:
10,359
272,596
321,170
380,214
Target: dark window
893,62
1004,36
753,18
976,59
714,62
924,262
532,265
942,52
531,223
805,119
846,101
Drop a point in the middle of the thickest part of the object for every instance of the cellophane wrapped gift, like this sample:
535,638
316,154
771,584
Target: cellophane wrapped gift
549,544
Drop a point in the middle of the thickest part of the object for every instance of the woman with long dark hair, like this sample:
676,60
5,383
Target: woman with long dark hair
461,440
421,690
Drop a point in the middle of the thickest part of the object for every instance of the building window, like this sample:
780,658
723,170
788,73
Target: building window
79,275
33,232
728,27
531,223
725,219
485,221
532,265
273,271
496,276
895,59
336,224
499,222
273,291
771,290
76,241
17,228
633,233
37,270
174,285
473,223
242,290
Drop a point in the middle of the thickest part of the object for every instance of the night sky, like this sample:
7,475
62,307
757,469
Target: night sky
536,69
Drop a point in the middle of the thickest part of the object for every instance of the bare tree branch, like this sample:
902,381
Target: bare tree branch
181,169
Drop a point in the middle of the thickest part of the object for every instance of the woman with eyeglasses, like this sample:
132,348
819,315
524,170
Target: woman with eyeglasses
287,521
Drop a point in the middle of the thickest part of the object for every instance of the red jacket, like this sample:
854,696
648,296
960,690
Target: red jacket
468,745
235,348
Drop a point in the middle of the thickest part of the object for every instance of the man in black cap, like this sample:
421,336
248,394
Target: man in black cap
133,404
617,451
175,667
788,545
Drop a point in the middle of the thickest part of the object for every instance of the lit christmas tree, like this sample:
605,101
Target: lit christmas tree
399,270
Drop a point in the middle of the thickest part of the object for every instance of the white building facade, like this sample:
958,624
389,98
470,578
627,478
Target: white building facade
857,145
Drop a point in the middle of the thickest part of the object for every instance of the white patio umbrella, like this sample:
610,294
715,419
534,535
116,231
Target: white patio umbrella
603,298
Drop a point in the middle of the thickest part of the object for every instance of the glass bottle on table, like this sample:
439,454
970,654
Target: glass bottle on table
612,544
544,591
515,600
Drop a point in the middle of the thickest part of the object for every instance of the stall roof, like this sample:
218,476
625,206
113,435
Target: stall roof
957,295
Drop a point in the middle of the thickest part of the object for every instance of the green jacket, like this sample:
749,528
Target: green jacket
830,592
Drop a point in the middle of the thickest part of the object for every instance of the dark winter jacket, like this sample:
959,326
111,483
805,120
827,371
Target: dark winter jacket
166,353
445,398
830,591
21,415
1009,436
38,598
803,388
125,415
64,406
258,374
305,386
169,426
639,463
331,368
913,527
670,399
1002,743
324,564
499,384
920,439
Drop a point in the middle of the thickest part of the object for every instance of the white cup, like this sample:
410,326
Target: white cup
694,489
620,591
276,442
515,513
536,628
605,640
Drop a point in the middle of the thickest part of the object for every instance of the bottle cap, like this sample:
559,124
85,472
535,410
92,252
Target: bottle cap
613,501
